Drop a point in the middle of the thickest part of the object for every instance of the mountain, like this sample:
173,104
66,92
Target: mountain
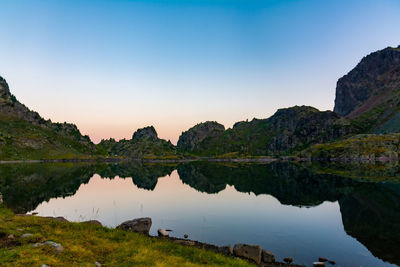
24,134
144,144
288,130
370,93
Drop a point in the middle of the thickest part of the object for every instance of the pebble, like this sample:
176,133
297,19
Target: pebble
26,235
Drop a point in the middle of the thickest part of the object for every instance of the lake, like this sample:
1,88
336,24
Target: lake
349,213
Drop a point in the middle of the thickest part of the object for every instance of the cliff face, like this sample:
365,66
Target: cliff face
287,130
370,93
24,134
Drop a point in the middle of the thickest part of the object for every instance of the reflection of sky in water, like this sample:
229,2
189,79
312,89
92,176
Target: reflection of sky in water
228,217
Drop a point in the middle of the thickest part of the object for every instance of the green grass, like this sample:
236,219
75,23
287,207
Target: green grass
84,244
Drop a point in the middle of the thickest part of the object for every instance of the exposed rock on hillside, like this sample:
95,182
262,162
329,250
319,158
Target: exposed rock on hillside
370,93
288,130
24,134
145,133
190,139
144,144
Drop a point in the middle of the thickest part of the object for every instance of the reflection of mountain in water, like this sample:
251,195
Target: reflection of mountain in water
370,211
143,175
25,186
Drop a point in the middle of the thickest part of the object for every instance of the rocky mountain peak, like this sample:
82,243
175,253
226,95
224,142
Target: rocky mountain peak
369,83
195,135
145,133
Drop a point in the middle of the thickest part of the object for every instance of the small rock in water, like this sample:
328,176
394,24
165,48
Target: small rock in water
322,259
332,262
26,235
185,236
288,260
319,264
163,233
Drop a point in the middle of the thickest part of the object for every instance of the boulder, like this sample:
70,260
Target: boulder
163,233
184,242
267,256
227,250
251,252
140,225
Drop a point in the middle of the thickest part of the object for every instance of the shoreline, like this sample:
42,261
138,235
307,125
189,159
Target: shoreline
208,159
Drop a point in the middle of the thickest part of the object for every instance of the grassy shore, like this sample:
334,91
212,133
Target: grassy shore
85,244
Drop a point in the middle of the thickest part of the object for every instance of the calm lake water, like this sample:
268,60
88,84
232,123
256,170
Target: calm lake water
297,210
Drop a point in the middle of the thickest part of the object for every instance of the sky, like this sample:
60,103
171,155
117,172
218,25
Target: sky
112,67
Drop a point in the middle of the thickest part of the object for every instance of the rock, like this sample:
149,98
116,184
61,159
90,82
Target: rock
332,262
59,218
322,259
95,222
185,236
98,264
11,236
163,233
252,252
35,213
44,265
267,256
140,225
319,264
55,245
146,132
20,229
288,260
227,250
184,242
26,235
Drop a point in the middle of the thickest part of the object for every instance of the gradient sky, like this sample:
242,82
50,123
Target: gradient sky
114,66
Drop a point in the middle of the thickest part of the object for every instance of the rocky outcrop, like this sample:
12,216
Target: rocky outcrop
144,144
370,92
141,225
288,130
145,133
189,140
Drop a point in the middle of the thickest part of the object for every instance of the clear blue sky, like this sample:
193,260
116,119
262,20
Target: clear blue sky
113,66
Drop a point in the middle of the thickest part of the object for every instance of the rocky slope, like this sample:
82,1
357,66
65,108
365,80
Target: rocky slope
288,130
370,93
144,144
24,134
